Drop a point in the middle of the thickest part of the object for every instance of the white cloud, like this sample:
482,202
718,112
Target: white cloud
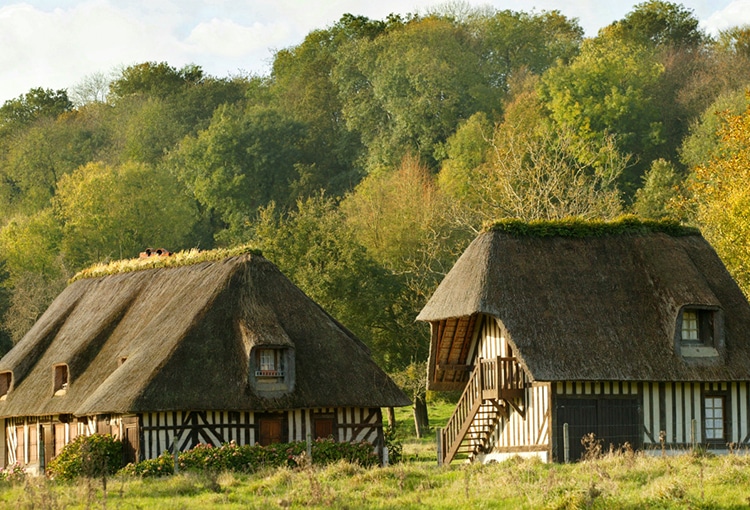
734,14
56,43
226,38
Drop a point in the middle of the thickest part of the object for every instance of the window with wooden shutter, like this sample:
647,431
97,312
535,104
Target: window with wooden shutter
699,332
6,378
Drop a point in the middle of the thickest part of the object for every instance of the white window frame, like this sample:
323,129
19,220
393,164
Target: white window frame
714,416
690,327
270,363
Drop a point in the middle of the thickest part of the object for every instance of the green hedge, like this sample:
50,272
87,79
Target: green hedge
231,457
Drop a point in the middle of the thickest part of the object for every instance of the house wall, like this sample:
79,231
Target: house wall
525,433
670,407
25,438
158,430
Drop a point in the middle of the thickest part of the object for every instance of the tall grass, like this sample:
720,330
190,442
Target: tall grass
622,481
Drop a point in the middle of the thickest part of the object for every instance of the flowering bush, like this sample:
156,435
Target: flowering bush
90,456
14,474
163,465
231,457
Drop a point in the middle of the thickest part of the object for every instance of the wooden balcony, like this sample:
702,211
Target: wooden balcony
502,378
492,380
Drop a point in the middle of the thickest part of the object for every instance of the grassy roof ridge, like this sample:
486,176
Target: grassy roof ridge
581,228
178,259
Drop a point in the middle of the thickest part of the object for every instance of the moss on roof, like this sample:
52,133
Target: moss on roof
581,228
182,258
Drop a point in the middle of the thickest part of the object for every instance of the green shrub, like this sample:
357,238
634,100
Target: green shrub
13,474
88,456
245,459
163,465
395,448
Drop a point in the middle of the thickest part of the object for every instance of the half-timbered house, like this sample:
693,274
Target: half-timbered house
632,331
169,357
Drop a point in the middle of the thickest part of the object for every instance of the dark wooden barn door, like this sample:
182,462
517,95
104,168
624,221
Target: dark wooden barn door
270,430
615,421
323,427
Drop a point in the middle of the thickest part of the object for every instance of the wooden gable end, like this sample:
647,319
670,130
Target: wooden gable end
450,351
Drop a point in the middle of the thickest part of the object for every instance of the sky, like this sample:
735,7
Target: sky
58,43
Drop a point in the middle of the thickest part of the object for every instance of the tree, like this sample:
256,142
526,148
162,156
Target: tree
735,40
407,90
468,150
704,141
661,188
39,154
535,170
117,211
315,247
31,244
34,271
35,104
511,41
303,86
91,89
404,222
609,90
719,197
245,159
153,79
657,23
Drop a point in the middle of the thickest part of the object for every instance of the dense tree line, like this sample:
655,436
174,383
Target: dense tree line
372,153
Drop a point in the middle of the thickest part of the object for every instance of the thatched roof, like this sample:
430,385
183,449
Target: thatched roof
589,307
187,333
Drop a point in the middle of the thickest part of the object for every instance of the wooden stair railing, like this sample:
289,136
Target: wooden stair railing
459,423
494,380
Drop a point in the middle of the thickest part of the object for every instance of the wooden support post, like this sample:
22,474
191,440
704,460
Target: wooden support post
175,454
693,425
566,442
439,437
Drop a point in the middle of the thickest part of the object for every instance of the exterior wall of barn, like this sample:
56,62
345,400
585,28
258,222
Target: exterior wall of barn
616,411
526,432
674,411
32,441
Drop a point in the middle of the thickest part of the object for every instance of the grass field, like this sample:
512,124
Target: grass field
624,481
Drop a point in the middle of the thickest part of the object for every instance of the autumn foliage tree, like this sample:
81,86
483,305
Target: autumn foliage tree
720,197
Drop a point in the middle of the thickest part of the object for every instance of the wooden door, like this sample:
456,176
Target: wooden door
130,440
59,438
323,427
20,445
270,430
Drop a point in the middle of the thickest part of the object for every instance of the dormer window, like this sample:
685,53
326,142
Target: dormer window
61,379
699,332
272,370
6,378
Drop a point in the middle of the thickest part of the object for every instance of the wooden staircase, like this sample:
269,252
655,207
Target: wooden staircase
494,385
